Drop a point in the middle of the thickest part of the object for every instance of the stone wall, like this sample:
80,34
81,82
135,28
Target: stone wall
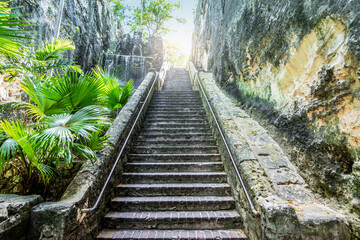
288,209
90,24
14,215
293,66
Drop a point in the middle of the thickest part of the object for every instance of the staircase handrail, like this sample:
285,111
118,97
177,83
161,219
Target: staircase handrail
96,205
254,211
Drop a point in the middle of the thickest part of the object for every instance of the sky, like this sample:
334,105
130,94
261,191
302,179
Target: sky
181,36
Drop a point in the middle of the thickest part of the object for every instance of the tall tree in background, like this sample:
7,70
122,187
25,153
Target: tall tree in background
151,16
118,8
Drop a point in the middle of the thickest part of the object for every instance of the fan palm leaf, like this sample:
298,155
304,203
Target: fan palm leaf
114,96
11,38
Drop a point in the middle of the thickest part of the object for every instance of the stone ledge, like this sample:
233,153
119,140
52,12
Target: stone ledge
63,219
14,214
288,209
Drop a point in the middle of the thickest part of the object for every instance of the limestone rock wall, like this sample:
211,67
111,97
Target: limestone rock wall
89,23
294,66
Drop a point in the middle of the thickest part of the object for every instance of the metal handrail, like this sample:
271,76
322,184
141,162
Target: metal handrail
87,210
254,211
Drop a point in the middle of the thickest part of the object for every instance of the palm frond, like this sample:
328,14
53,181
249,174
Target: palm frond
7,151
113,95
11,37
19,132
54,49
127,92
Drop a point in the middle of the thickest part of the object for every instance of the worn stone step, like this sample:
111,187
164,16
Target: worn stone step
178,92
172,203
164,136
175,98
225,234
174,177
170,102
174,149
176,104
175,112
175,142
175,130
225,219
167,107
174,189
194,157
174,166
176,120
176,116
176,125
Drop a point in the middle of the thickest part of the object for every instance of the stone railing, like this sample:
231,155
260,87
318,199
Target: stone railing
288,209
64,219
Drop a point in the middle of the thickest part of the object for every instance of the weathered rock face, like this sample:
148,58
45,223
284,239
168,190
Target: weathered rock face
90,24
295,65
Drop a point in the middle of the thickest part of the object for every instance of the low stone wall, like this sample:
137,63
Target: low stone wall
64,219
288,209
14,215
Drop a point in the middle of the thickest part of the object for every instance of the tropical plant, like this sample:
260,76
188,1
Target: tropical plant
63,93
49,57
118,8
55,142
152,15
18,143
113,95
11,37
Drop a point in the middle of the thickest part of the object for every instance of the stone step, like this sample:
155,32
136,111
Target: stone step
174,177
175,112
174,92
174,149
174,189
170,124
202,157
178,121
225,219
175,130
231,234
175,97
175,142
171,102
176,116
176,103
170,108
163,136
174,166
172,203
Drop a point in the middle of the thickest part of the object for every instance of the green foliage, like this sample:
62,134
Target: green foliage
153,15
11,38
64,93
68,111
113,95
118,9
18,142
54,143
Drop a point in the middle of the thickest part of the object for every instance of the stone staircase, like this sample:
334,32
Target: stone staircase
174,185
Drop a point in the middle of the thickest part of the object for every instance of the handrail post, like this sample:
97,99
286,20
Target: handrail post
254,211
